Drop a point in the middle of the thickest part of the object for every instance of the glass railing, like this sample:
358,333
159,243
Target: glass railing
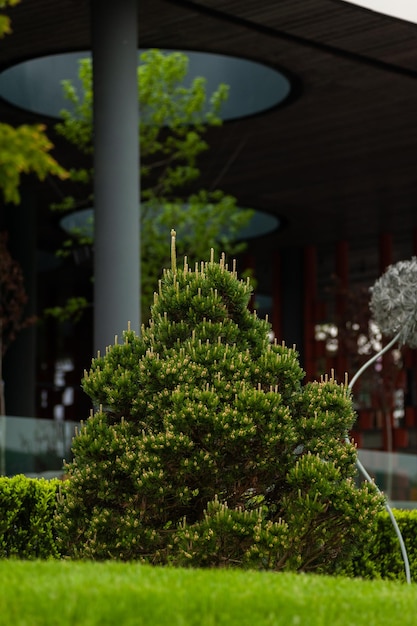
35,447
395,474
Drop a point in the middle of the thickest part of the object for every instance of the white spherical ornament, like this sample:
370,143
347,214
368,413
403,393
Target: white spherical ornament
394,302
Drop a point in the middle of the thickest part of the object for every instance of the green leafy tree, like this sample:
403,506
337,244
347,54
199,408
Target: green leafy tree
206,450
5,22
25,149
173,120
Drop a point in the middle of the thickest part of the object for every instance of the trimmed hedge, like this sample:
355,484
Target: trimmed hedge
27,509
27,530
382,557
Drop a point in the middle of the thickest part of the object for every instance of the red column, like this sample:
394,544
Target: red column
276,320
342,273
385,259
310,301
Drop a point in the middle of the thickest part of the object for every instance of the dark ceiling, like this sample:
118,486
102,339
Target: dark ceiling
338,159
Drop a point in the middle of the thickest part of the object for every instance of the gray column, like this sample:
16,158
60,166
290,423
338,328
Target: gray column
116,170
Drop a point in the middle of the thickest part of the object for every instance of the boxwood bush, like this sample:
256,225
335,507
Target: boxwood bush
382,556
27,522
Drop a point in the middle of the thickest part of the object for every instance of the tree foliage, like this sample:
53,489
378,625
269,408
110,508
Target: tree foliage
5,22
25,149
206,450
173,120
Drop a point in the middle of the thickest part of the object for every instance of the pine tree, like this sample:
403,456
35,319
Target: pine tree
206,449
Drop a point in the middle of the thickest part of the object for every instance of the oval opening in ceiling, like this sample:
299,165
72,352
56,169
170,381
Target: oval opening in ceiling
36,85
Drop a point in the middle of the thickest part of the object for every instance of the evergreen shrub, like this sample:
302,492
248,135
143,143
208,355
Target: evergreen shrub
27,509
205,449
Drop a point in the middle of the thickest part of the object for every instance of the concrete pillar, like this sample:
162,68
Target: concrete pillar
116,170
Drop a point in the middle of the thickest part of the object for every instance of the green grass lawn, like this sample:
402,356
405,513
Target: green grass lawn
62,593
